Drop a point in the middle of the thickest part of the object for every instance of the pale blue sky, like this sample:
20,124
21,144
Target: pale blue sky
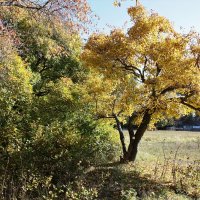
182,13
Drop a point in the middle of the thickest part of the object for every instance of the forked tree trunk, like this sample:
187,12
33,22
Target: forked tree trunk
135,138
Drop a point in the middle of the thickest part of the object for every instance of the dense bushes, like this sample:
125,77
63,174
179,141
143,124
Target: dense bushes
48,134
52,160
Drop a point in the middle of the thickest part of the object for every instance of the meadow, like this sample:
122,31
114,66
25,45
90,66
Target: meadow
161,144
167,167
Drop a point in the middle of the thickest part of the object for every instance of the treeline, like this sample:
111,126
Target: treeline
47,131
187,120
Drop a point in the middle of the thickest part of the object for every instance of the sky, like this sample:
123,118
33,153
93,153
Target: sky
182,13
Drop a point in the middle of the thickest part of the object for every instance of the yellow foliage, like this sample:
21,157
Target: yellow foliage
151,67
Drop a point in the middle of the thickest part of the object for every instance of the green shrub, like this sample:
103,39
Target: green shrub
52,159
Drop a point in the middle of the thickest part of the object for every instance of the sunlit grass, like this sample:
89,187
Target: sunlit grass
160,144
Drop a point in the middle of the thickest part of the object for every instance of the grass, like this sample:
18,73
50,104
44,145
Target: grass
167,167
160,144
173,158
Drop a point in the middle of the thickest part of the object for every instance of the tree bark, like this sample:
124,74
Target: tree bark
135,138
121,134
130,132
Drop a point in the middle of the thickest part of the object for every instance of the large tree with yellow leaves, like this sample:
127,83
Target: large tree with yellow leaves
143,75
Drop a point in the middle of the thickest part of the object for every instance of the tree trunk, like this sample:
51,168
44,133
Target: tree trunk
121,134
135,138
131,133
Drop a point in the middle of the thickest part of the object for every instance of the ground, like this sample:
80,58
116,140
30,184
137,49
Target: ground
167,167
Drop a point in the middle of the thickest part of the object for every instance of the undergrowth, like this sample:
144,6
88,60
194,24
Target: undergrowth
88,170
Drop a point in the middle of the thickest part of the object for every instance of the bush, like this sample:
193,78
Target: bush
51,160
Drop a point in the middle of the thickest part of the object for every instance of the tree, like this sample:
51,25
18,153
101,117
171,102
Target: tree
40,74
15,90
74,14
46,127
143,75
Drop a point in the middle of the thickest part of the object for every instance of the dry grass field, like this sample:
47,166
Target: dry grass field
172,158
167,168
160,144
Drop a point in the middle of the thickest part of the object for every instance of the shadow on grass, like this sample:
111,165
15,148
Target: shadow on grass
114,180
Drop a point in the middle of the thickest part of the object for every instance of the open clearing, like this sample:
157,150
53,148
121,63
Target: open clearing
167,167
160,144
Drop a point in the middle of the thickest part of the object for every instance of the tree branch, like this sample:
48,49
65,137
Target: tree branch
158,70
144,68
197,64
171,88
19,5
137,72
189,105
104,117
184,101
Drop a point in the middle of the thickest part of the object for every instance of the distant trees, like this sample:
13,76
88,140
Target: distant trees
143,75
188,120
